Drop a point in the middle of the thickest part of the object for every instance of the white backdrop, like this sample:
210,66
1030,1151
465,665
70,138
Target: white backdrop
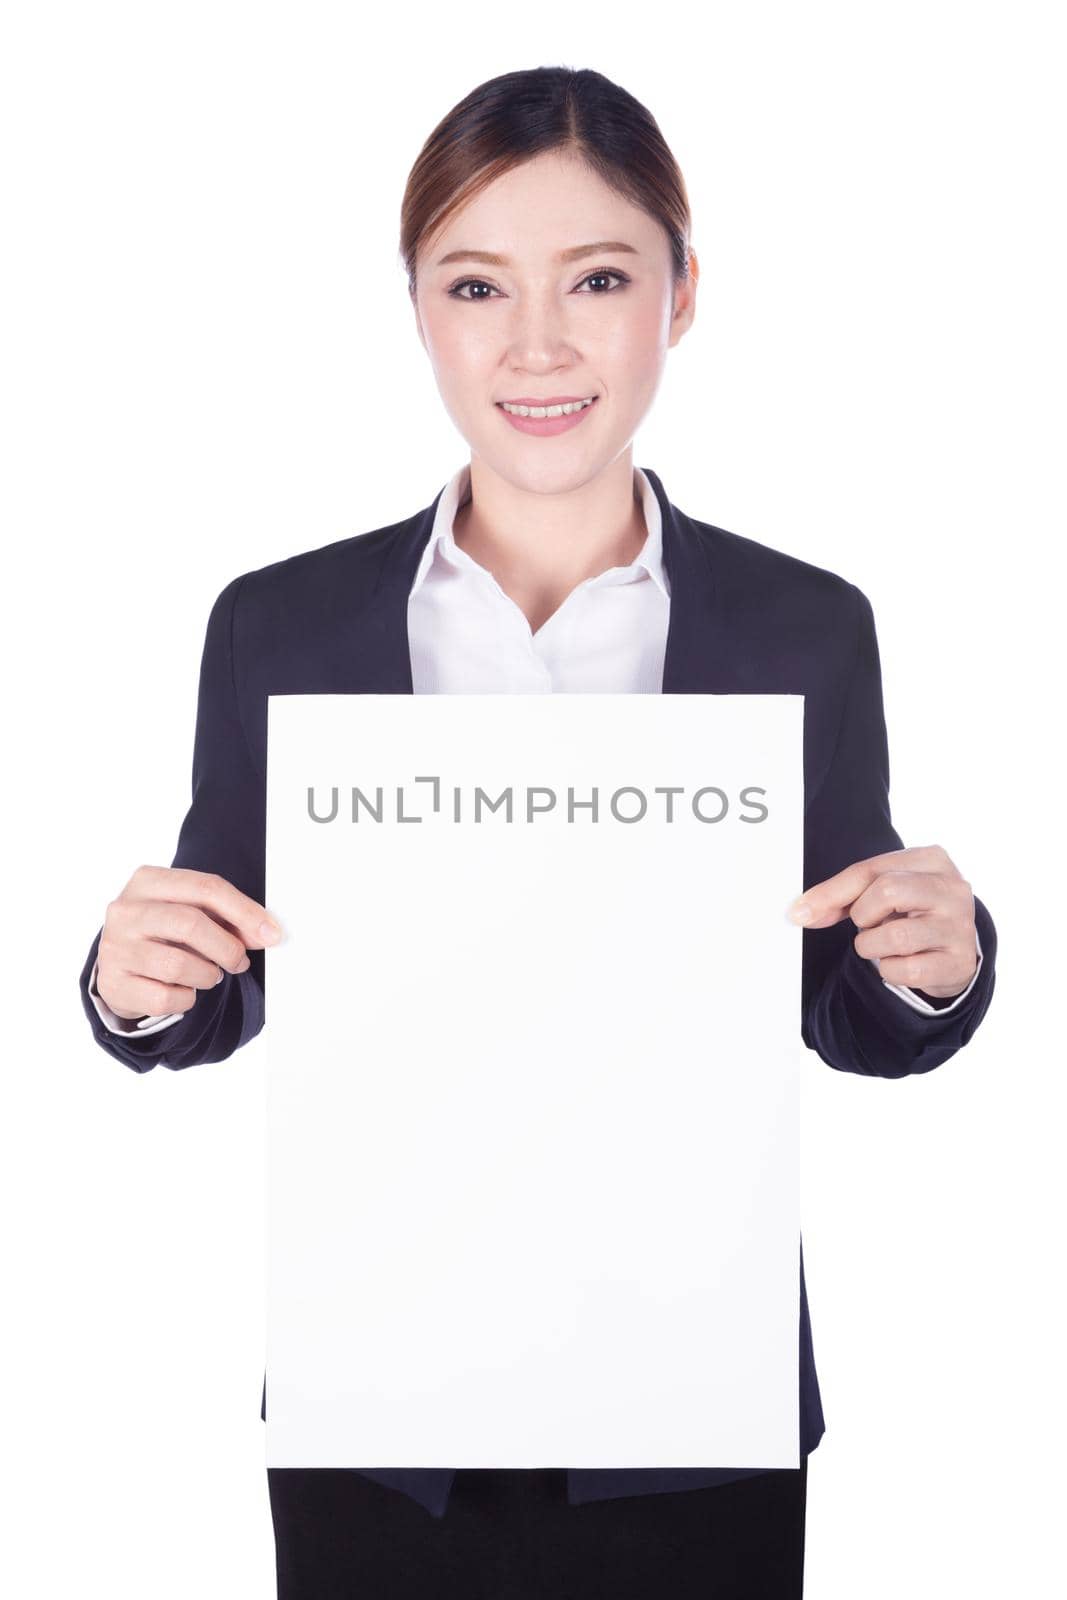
209,362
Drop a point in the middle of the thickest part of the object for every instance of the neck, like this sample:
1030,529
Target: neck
540,546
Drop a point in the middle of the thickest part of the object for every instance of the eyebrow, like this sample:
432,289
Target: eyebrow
575,253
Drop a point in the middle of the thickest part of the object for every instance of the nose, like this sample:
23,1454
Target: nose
538,340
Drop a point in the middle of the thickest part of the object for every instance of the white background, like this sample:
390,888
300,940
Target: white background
210,362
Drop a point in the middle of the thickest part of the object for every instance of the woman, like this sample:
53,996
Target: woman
545,234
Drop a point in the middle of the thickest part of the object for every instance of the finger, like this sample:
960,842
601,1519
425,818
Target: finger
932,970
143,997
829,901
906,936
172,924
899,891
212,893
174,966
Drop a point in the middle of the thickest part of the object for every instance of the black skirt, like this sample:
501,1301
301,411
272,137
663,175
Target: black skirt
510,1534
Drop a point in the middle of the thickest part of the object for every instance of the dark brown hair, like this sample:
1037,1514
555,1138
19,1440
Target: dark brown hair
510,119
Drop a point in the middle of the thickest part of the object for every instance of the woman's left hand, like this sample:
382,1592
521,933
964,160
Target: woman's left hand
915,913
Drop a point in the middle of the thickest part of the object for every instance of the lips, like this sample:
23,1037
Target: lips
545,426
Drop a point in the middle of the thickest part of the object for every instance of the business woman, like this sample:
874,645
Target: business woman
545,235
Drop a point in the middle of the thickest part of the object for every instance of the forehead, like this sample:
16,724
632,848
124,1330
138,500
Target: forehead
542,211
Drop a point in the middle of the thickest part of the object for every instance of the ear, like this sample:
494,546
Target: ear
418,319
685,301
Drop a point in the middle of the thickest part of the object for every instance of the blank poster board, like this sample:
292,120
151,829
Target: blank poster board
533,1080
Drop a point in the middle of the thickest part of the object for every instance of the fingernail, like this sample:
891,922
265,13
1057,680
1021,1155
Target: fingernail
269,932
799,911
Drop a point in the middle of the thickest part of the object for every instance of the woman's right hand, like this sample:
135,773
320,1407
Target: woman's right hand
171,932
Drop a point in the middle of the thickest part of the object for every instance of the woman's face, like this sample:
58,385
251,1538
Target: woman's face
533,324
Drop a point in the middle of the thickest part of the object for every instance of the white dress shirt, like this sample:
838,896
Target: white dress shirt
467,636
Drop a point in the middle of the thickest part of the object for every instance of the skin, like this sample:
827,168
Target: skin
171,932
915,911
544,515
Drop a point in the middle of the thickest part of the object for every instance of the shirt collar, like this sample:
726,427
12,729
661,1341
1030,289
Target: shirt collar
441,544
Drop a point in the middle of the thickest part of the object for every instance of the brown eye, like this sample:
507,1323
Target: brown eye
474,282
604,273
480,283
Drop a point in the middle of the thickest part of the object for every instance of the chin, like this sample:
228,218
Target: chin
549,476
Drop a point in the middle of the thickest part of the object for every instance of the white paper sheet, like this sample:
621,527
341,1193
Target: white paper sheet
532,1085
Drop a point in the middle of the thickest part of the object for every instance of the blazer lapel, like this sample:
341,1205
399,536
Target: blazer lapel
381,660
698,656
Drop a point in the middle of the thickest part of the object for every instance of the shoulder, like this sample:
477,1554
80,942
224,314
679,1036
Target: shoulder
744,560
298,594
356,559
750,574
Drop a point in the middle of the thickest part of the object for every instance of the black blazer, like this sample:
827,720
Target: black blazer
744,619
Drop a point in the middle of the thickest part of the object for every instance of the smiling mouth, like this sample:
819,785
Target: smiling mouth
564,410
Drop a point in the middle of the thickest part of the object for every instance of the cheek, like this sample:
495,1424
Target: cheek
461,355
634,344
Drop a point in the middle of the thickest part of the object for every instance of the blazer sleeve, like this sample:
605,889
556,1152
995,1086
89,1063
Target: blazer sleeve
223,832
849,1016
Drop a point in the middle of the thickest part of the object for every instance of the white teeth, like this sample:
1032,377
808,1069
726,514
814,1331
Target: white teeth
547,411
